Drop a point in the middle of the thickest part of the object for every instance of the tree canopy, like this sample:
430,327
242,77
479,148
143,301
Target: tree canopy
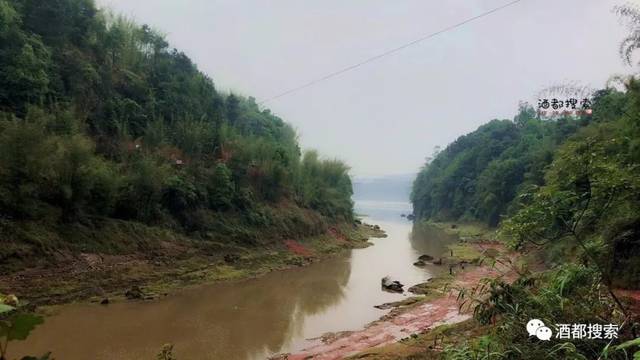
477,176
101,118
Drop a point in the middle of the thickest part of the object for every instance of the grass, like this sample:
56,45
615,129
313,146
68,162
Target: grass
464,252
434,287
466,231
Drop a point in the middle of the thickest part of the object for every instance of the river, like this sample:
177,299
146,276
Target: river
249,319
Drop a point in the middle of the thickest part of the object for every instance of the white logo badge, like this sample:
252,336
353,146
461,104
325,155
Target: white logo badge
536,327
543,333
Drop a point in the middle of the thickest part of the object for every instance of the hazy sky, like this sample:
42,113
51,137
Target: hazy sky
387,116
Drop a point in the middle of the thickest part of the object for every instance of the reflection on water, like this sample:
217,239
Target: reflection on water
250,319
237,320
430,240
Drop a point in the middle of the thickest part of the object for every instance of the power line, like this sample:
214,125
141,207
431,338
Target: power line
386,53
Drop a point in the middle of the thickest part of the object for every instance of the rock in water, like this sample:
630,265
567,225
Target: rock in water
425,258
391,285
420,263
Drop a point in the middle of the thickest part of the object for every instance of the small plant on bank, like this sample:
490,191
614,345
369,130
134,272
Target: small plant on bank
16,324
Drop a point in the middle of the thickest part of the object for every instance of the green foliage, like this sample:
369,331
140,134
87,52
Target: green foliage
19,326
25,62
635,343
6,308
485,348
26,158
590,197
101,119
325,185
221,188
583,210
478,175
566,295
15,324
570,187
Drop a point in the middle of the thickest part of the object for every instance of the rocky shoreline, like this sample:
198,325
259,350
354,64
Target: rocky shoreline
435,306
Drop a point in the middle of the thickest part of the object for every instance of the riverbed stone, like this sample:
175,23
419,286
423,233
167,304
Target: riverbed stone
391,285
426,258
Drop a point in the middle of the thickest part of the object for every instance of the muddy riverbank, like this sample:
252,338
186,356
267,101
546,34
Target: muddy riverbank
440,306
253,318
107,278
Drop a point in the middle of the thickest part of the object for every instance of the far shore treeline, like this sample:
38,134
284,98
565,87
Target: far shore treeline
103,123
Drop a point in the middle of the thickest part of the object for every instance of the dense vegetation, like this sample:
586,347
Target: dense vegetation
566,190
478,176
583,222
101,122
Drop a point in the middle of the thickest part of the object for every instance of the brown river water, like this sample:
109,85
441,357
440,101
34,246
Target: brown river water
249,319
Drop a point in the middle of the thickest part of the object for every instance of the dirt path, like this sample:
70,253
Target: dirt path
405,322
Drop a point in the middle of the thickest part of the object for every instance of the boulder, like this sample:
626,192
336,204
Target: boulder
391,285
425,258
104,301
420,263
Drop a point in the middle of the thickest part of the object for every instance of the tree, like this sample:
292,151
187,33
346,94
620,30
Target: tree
221,189
232,109
631,43
24,63
587,183
27,158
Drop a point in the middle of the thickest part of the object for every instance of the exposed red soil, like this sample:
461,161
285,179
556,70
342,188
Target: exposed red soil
404,322
336,234
297,248
631,294
631,299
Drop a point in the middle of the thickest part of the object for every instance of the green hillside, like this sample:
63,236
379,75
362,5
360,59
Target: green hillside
105,128
565,193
